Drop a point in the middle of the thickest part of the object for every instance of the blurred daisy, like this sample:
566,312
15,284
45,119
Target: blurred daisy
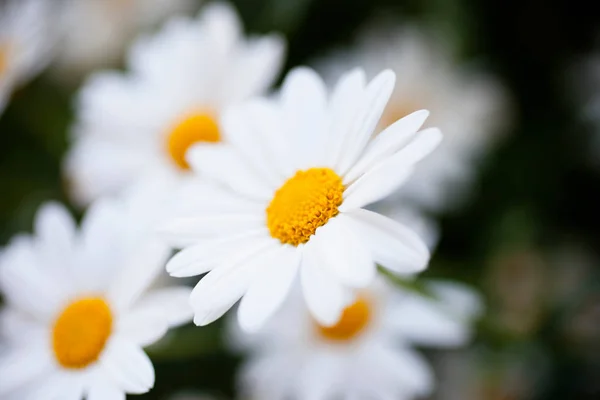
95,33
24,43
466,105
181,80
367,354
288,197
77,307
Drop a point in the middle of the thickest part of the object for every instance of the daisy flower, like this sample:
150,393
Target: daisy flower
77,309
181,80
367,354
95,33
285,196
24,43
467,105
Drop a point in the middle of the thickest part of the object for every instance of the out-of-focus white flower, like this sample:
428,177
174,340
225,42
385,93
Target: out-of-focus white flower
138,126
78,311
25,42
367,355
95,33
425,226
468,106
285,198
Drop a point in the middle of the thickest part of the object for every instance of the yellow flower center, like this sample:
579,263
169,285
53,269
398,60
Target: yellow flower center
305,202
354,319
81,331
200,127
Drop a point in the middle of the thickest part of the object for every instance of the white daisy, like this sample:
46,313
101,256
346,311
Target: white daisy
467,105
24,43
78,311
288,197
367,354
95,33
138,126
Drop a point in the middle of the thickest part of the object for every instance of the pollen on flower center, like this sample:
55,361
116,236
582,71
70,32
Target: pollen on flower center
303,203
200,127
81,332
354,319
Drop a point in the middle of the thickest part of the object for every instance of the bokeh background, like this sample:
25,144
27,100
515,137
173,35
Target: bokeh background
528,237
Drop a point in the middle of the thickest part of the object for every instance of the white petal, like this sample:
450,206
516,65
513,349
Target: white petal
211,225
392,245
55,233
270,288
325,297
197,196
342,251
143,326
266,120
405,367
203,257
241,132
223,164
391,140
174,301
57,385
105,391
17,326
389,175
137,273
373,186
101,245
322,377
377,94
460,299
304,100
22,276
253,69
128,366
345,100
423,322
443,321
424,143
222,24
226,284
23,365
169,306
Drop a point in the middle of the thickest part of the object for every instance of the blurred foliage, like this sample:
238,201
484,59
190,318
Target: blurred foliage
534,193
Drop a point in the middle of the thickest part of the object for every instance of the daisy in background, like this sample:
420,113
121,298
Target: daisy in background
77,309
467,105
95,33
25,43
138,125
285,196
367,354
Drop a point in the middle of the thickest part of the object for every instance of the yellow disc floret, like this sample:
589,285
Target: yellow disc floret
201,127
354,319
81,332
305,202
